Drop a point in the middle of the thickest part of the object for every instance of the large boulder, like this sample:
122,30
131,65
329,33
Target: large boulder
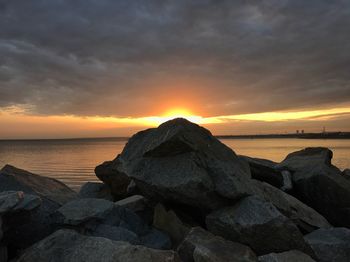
16,201
179,162
346,173
200,245
288,256
330,245
319,184
25,229
257,223
306,218
67,245
95,190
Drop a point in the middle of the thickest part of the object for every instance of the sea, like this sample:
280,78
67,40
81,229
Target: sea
72,161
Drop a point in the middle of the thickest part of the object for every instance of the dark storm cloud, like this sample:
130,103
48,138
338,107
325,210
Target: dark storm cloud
99,57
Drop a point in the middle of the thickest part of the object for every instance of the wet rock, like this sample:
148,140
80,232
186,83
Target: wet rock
169,222
67,245
306,218
200,245
82,210
331,244
288,256
95,190
258,224
181,162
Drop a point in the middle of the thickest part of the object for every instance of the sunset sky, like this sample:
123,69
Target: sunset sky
89,68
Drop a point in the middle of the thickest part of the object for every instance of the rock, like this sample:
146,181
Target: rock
14,201
95,190
82,210
303,216
200,245
12,178
180,162
116,233
319,184
113,175
156,239
287,181
169,222
3,253
264,170
67,245
258,224
346,173
288,256
135,203
331,244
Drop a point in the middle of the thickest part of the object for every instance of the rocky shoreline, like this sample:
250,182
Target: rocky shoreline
176,193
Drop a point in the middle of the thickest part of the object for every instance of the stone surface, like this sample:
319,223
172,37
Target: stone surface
264,170
288,256
169,222
15,179
319,184
67,245
200,245
14,201
3,253
330,245
302,215
82,210
135,203
180,162
257,223
346,173
95,190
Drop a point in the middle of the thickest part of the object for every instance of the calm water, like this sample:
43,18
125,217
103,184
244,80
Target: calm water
73,161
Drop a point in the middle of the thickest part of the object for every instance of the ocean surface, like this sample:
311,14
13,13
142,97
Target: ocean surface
72,161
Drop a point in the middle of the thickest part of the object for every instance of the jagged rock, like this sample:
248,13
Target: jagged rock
15,179
82,210
331,244
200,245
113,175
319,184
169,222
288,256
264,170
135,203
95,190
306,218
258,224
180,162
67,245
15,201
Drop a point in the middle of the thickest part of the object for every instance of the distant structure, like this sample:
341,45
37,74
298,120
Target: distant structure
297,131
324,130
302,131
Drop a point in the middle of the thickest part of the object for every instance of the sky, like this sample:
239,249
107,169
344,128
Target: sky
91,68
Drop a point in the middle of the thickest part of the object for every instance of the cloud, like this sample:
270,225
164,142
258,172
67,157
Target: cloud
138,58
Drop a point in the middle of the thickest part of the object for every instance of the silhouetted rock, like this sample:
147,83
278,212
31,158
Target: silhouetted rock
67,245
288,256
180,162
258,224
200,245
319,184
95,190
346,173
302,215
331,244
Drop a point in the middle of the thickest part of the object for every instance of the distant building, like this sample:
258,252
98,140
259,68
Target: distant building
297,132
302,131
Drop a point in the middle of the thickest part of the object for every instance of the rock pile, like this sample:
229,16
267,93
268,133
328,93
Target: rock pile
176,193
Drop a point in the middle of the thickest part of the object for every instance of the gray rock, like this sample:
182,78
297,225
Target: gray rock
264,170
14,201
330,245
67,245
346,173
113,175
82,210
200,245
156,239
116,233
319,184
3,253
287,181
302,215
12,178
258,224
135,203
95,190
169,222
288,256
181,162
